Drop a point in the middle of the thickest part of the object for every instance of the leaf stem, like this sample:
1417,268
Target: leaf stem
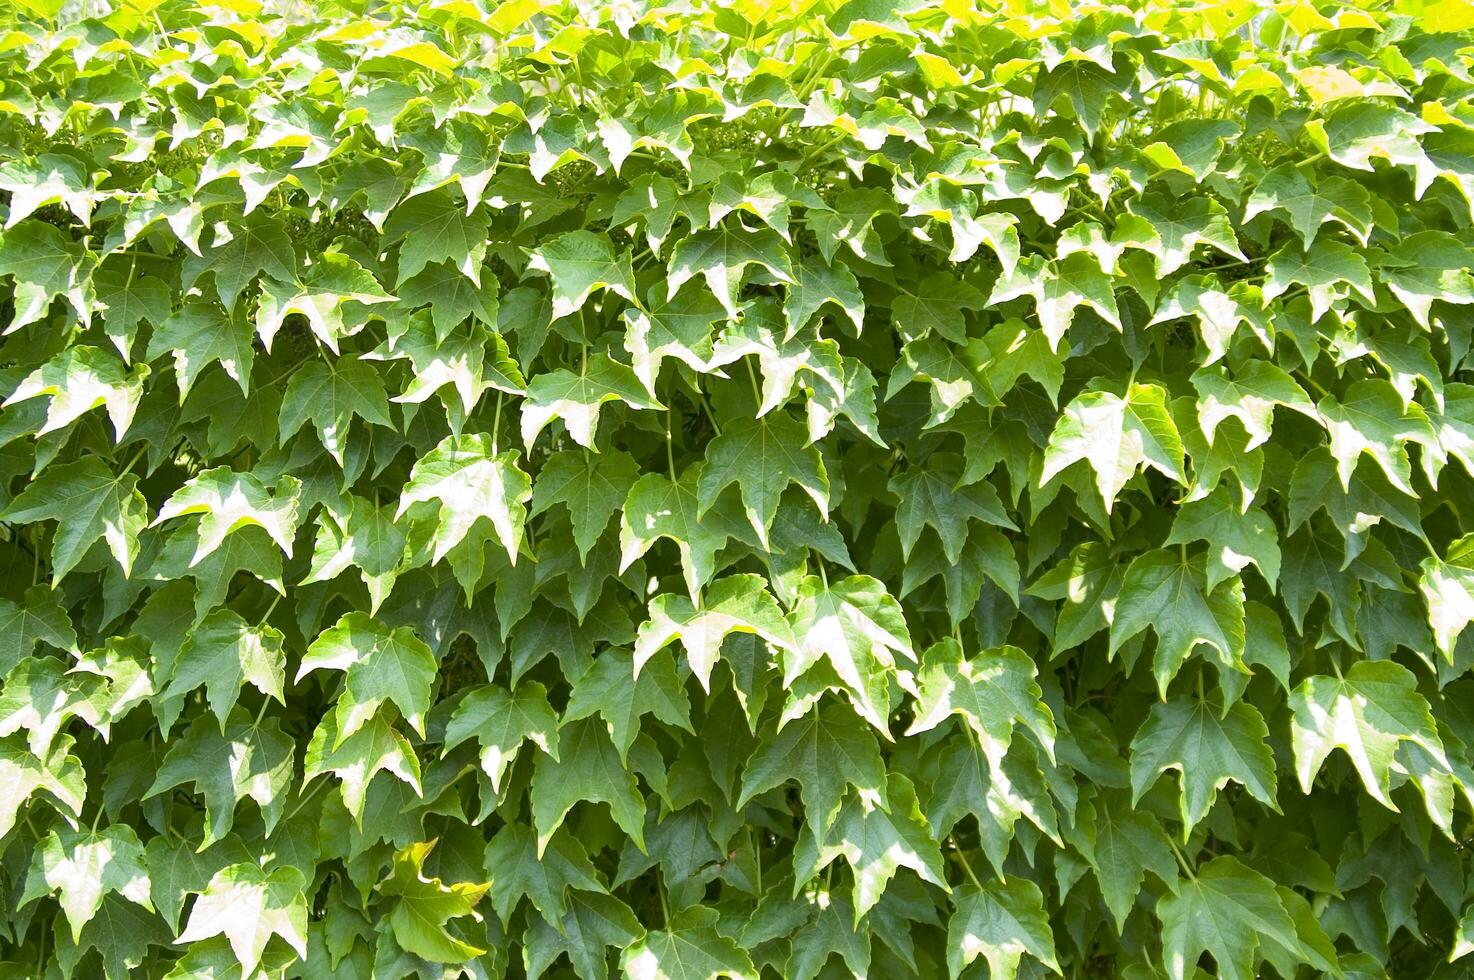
1181,859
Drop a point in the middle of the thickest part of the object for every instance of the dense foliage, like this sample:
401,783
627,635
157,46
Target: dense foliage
715,489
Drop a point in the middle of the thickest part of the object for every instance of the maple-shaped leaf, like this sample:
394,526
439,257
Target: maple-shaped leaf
1447,585
1372,418
58,773
1250,395
826,750
657,507
422,906
249,550
501,721
936,304
434,227
877,842
39,697
247,759
470,359
1225,909
622,696
577,396
999,921
200,334
48,178
1236,537
858,628
1208,748
1218,313
594,921
249,907
1059,288
1167,592
44,266
689,948
1116,436
221,653
733,604
37,618
1368,712
127,299
1121,845
678,326
87,501
820,283
470,480
246,250
517,871
381,664
329,395
580,262
319,294
78,380
366,538
591,486
933,495
722,254
451,299
783,360
81,867
227,500
374,748
1321,269
457,152
990,692
586,768
763,456
1307,205
1177,228
121,933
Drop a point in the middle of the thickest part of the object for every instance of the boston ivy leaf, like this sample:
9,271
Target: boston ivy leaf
990,692
1236,537
374,748
1225,909
83,866
221,653
722,255
577,396
1208,748
422,905
691,949
87,501
250,907
999,921
470,480
242,253
380,664
1448,588
580,262
78,380
329,395
763,456
500,722
586,768
199,335
1116,436
227,500
734,604
44,266
434,227
657,507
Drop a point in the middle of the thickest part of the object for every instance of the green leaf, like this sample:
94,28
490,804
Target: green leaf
433,227
577,397
990,692
223,652
1236,537
249,907
586,768
1448,587
88,502
734,604
227,500
1116,436
329,396
763,456
580,262
82,867
721,255
1225,909
380,665
470,480
999,921
423,905
200,334
1208,748
78,380
691,949
500,722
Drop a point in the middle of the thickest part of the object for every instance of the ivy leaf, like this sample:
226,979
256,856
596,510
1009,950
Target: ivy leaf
365,538
256,245
580,262
58,772
38,618
592,923
88,502
1288,192
824,751
657,507
691,949
83,866
319,293
1448,588
40,698
1059,288
1116,436
1236,537
990,692
78,380
577,397
762,456
432,227
1373,419
733,604
249,907
1225,909
1207,750
329,395
223,652
227,500
592,487
1251,396
999,921
470,480
200,334
1367,712
44,266
374,748
586,768
934,496
721,255
1164,591
518,871
500,722
423,905
380,664
858,628
1320,269
613,689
